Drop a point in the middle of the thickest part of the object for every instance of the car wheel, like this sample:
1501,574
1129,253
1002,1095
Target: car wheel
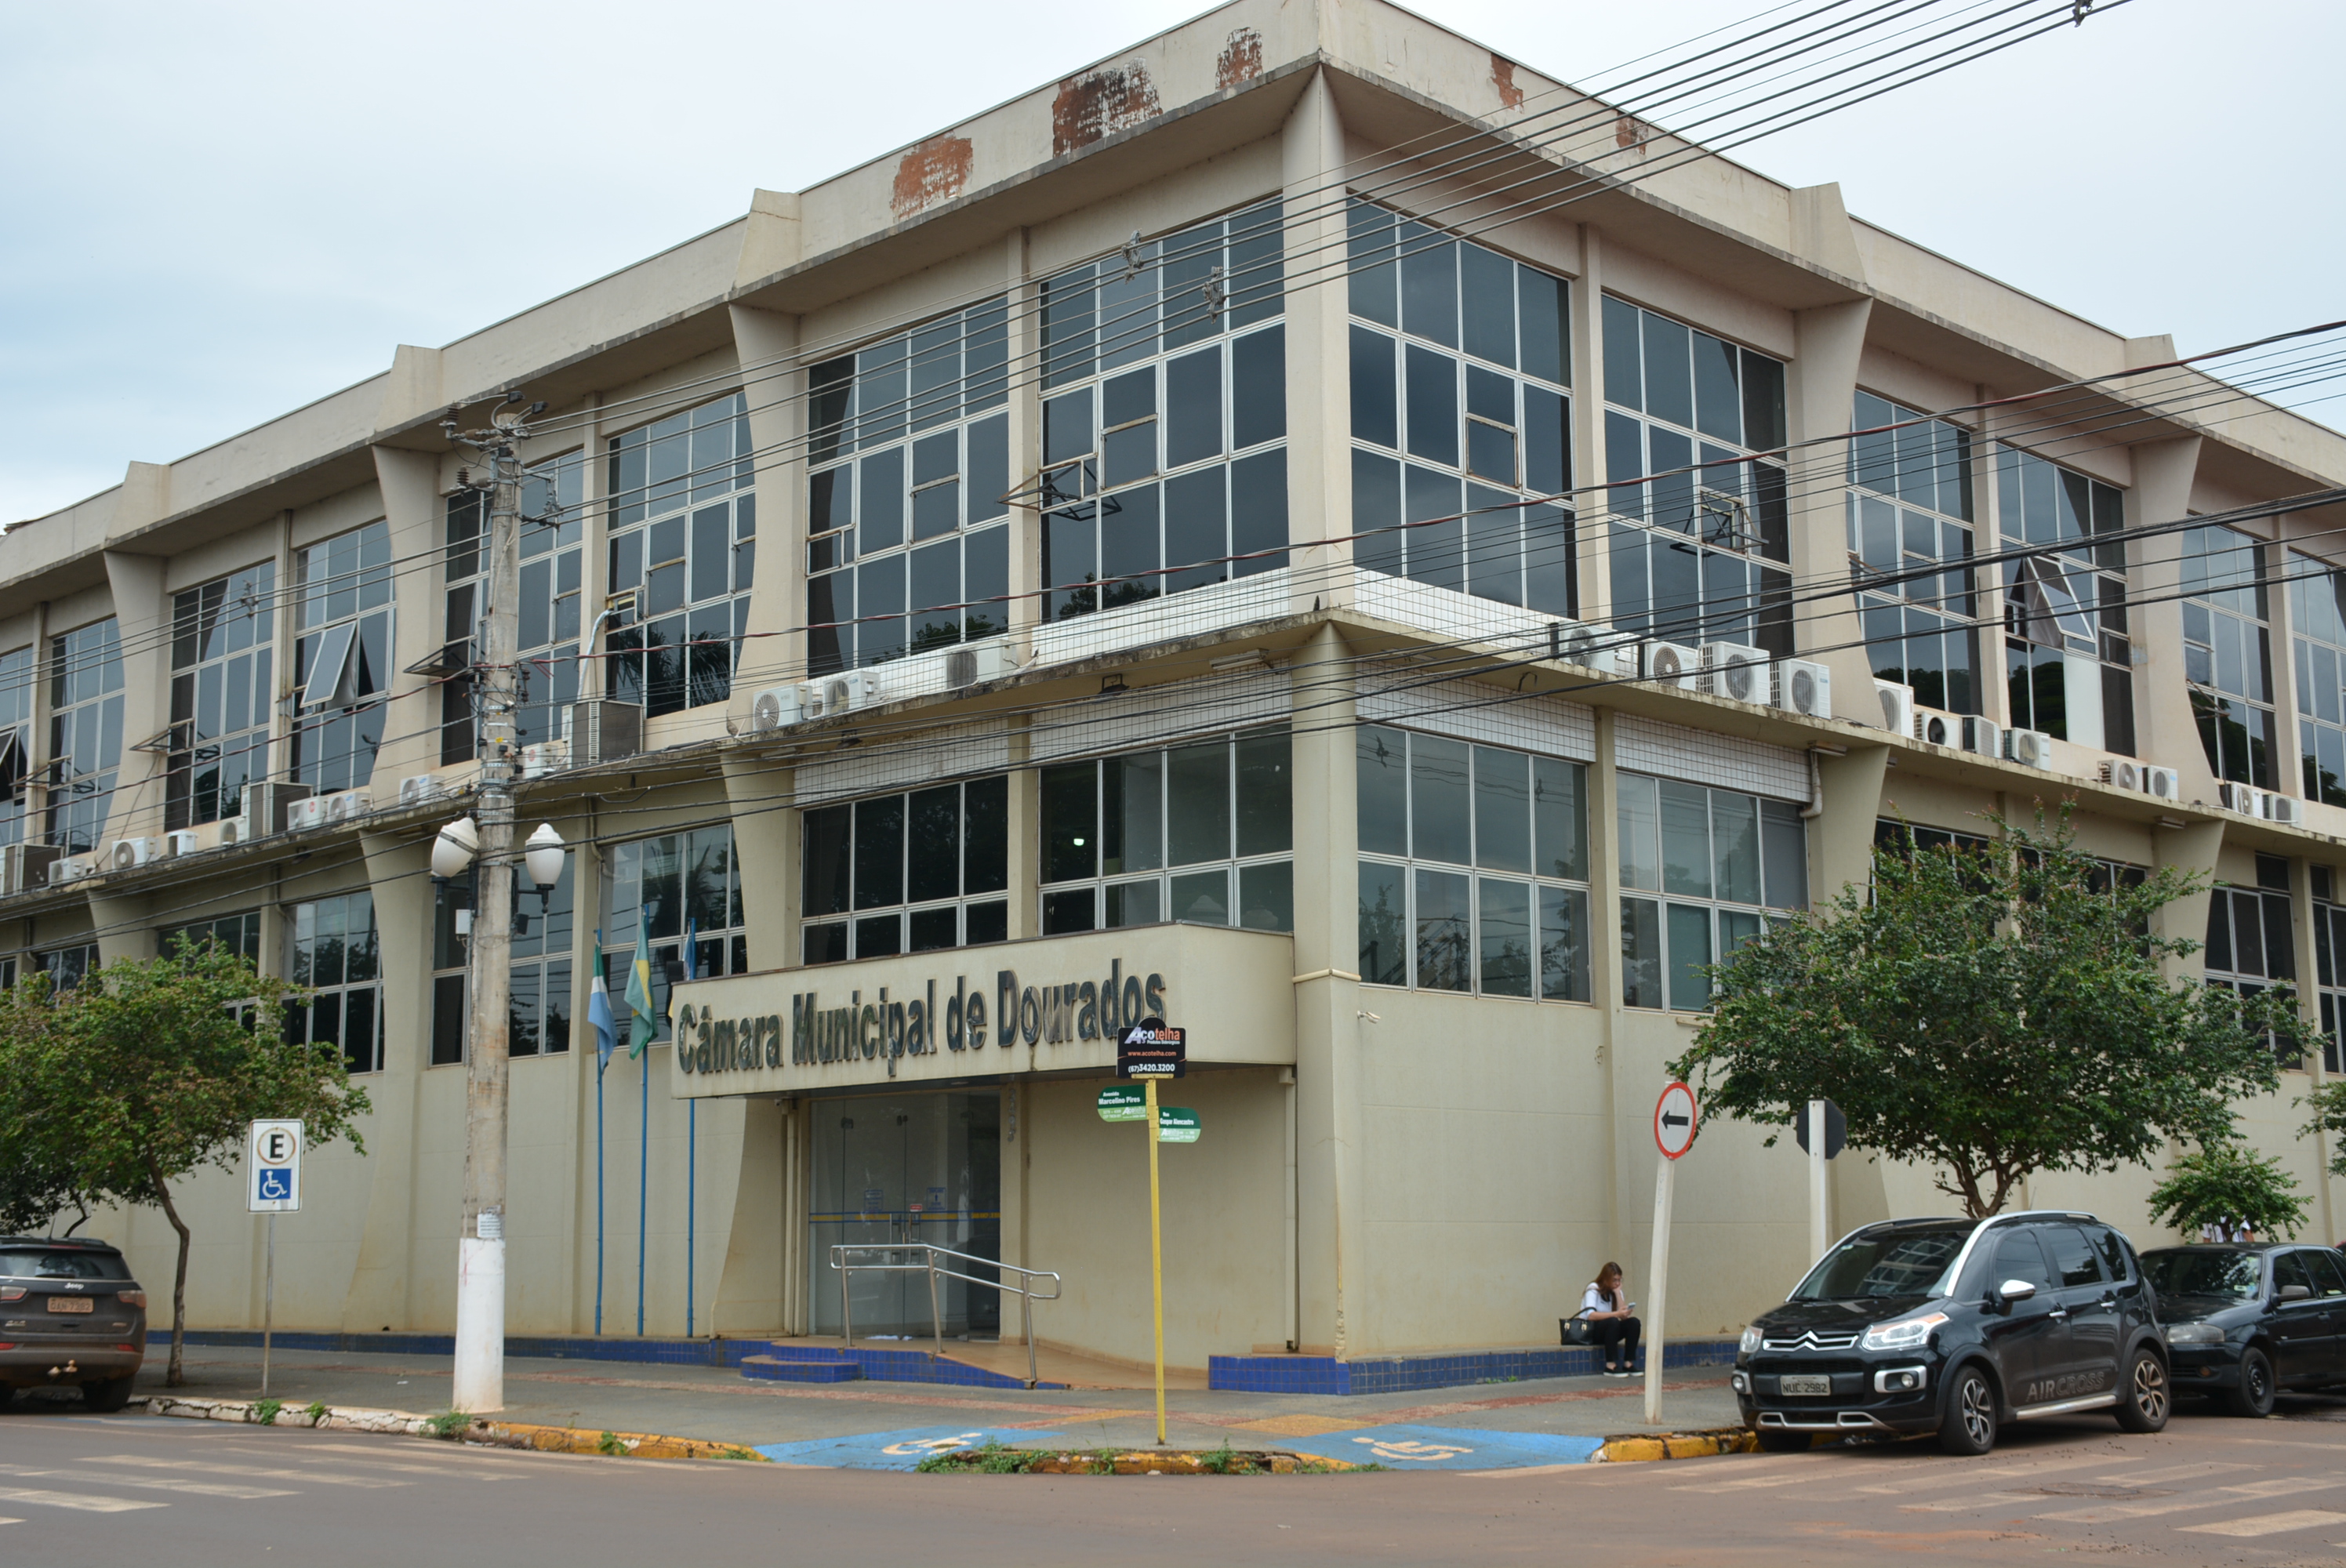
110,1395
1775,1440
2254,1397
2144,1398
1969,1426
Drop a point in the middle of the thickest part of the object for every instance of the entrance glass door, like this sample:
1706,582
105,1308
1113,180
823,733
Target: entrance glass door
906,1168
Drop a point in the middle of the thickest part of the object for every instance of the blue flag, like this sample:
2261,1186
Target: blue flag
598,1014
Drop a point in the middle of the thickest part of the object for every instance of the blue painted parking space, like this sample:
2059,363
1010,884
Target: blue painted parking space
892,1451
1447,1448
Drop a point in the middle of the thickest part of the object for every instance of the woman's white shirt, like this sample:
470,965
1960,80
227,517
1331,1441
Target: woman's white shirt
1597,1300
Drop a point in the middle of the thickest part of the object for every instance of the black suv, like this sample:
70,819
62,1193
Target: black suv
69,1314
1955,1326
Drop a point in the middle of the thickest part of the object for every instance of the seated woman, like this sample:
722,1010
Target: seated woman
1607,1311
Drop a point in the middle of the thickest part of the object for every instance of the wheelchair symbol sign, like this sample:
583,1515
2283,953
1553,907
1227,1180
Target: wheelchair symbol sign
273,1156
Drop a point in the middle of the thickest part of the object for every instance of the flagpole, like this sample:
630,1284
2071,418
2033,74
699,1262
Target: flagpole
691,1127
643,1180
602,1059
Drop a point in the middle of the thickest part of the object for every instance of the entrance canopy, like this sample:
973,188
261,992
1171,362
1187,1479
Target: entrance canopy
1050,1005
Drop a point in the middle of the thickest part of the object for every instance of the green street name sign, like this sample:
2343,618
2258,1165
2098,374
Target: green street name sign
1124,1103
1176,1125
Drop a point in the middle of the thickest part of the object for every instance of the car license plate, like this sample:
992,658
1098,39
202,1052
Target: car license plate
73,1304
1791,1384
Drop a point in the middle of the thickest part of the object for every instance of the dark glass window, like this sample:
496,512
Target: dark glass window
906,873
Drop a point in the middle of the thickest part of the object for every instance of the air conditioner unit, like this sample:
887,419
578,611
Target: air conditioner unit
837,694
233,830
544,758
2032,747
2164,782
181,842
1937,729
988,660
70,868
774,707
1801,687
2286,809
422,790
2121,773
303,815
1897,706
603,731
1733,670
266,807
2237,798
348,806
1983,736
128,854
1672,663
23,867
1592,645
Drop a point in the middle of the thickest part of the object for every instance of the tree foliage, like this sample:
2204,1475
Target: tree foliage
148,1071
38,1181
1989,1013
2329,1107
2230,1185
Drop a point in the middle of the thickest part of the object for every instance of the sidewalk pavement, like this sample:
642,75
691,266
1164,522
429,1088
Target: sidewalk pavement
719,1404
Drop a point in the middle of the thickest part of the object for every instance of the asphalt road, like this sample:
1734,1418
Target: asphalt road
78,1488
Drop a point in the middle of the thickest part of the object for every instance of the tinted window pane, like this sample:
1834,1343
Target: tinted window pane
1381,786
1439,805
1502,818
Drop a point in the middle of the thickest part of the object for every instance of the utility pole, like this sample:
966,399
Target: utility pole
479,1382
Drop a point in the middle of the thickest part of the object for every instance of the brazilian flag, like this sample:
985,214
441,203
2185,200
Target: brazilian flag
643,1023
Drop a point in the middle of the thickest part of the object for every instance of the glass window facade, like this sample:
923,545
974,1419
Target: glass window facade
1461,360
17,693
669,887
335,952
907,872
683,537
239,933
2329,965
1201,833
1474,872
222,649
68,966
2068,656
2317,600
1910,512
908,542
1720,859
342,661
540,1001
547,641
1699,535
1164,461
2228,653
2251,946
84,733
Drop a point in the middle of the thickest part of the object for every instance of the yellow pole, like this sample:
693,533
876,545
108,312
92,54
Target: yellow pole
1156,1261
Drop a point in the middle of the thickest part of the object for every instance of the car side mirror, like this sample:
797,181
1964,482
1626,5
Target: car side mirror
2294,1293
2014,1290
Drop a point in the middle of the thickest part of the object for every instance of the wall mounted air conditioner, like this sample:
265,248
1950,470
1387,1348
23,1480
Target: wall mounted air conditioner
2165,783
602,731
836,693
2032,747
70,868
2286,809
2121,773
988,660
1937,729
422,790
348,806
300,815
265,808
544,758
774,707
2237,797
1983,736
1592,645
1897,706
1673,664
23,867
181,842
232,830
1733,670
1801,687
129,854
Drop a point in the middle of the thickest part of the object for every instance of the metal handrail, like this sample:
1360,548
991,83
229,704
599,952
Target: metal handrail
930,1266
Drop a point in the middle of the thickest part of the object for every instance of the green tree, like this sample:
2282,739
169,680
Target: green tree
38,1181
149,1070
2228,1183
1989,1013
2328,1105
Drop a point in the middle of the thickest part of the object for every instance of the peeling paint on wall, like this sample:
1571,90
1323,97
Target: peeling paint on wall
1241,59
1628,131
1099,104
1502,76
932,172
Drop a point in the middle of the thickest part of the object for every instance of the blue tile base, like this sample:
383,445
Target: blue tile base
777,1370
881,1367
546,1347
1402,1374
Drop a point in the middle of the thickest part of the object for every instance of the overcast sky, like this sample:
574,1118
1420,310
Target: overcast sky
216,213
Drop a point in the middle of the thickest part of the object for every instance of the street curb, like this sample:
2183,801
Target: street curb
1637,1449
1157,1461
480,1430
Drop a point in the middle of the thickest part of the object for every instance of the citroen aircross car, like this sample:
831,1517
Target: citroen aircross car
1956,1327
70,1314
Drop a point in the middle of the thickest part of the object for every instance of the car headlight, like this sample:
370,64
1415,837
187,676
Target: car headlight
1902,1334
2195,1334
1750,1341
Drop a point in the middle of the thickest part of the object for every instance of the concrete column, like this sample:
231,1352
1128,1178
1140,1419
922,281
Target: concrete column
766,840
1988,538
142,617
417,517
1605,976
774,388
2164,728
2191,849
378,1293
1026,825
1319,399
1332,1034
1590,506
1820,383
1840,853
1025,437
2289,772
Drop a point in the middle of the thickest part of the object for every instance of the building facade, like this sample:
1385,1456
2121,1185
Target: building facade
1306,529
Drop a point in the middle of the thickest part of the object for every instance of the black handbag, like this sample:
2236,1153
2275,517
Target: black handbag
1575,1330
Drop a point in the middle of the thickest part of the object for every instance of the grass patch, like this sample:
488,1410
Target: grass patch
994,1458
317,1409
265,1411
447,1423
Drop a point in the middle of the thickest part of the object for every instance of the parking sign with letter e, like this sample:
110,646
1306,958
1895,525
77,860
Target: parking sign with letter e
272,1159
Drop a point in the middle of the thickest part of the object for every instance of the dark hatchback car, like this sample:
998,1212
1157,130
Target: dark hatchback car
70,1314
1955,1327
2244,1322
